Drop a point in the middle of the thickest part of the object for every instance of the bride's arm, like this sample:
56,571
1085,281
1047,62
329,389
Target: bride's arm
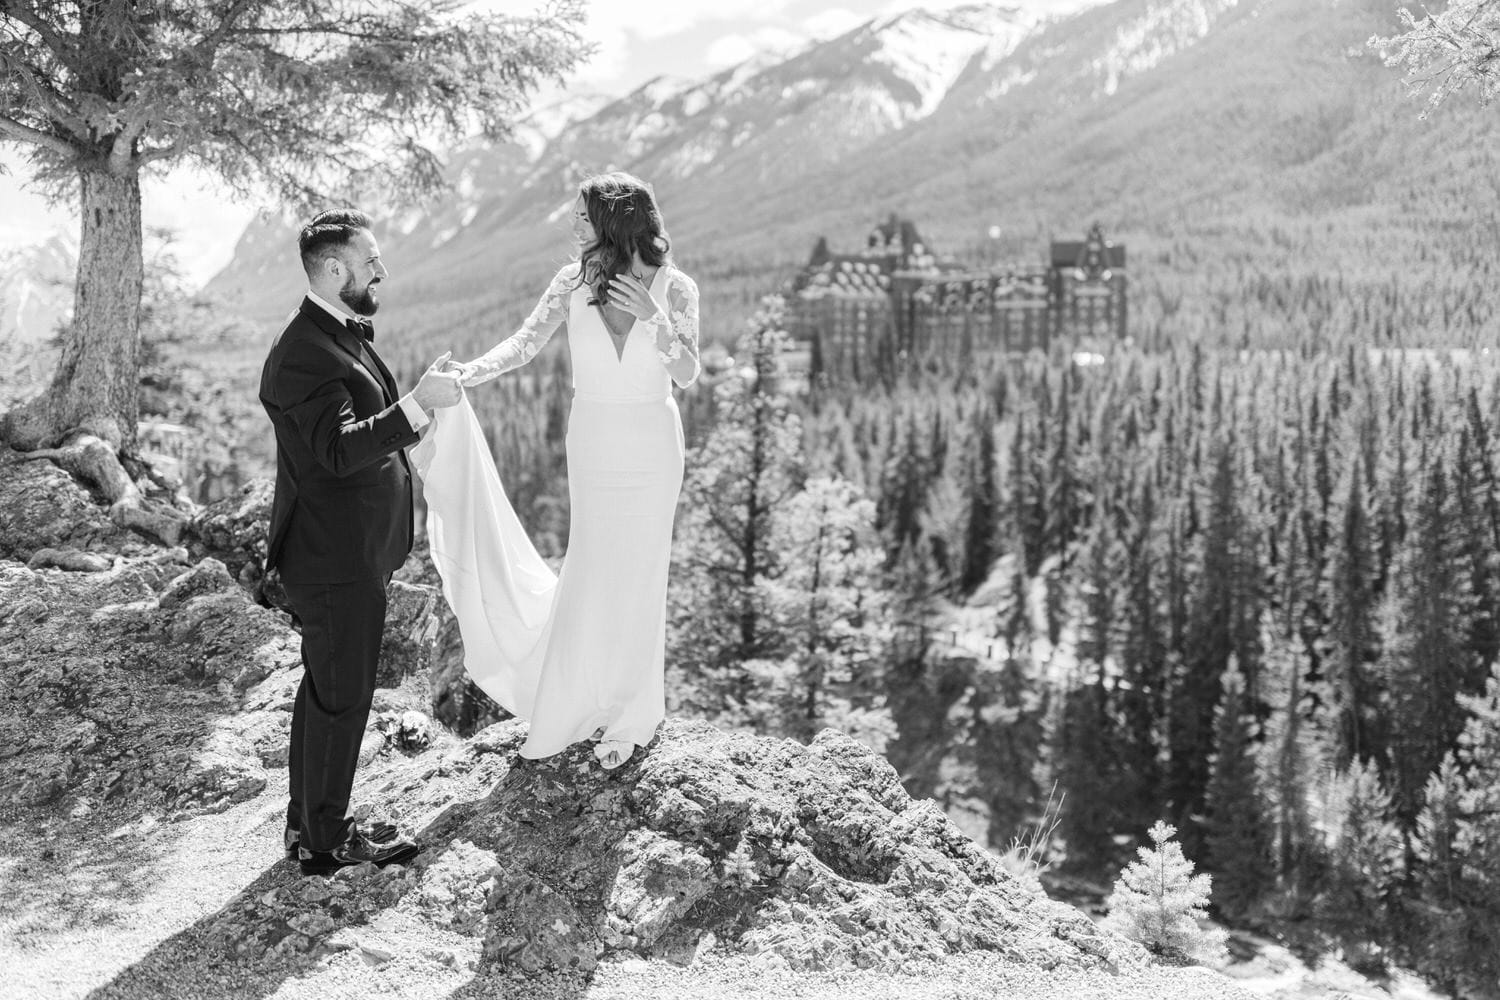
675,329
523,345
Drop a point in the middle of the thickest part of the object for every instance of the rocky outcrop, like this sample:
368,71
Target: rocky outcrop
148,686
162,682
811,855
233,530
706,844
44,508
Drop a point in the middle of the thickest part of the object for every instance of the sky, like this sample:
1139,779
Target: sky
635,42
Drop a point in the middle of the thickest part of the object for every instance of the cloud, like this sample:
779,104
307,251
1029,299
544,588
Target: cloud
733,49
1038,7
833,22
608,22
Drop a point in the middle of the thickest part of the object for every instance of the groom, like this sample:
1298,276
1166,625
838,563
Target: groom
341,524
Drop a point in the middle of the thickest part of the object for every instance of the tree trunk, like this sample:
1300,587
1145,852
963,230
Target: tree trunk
96,384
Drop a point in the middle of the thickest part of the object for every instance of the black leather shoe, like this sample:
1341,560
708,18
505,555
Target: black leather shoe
291,837
357,850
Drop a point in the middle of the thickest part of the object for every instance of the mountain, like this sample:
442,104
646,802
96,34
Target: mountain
1219,139
36,294
770,117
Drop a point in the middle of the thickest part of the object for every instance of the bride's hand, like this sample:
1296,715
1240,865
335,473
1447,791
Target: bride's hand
628,293
465,370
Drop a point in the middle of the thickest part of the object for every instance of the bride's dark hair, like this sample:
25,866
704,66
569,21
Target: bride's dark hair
625,218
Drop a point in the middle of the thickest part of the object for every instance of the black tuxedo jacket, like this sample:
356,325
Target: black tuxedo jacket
343,507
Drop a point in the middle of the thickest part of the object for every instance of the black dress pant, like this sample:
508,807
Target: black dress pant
341,628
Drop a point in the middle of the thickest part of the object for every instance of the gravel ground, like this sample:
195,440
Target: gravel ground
110,894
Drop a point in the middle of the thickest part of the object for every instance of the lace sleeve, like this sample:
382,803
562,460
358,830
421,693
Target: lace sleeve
675,328
523,345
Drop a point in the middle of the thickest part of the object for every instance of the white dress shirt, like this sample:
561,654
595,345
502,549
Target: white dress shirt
415,415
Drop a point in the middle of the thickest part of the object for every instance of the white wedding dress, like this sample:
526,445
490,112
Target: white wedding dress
583,650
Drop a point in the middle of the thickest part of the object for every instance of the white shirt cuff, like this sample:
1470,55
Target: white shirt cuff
415,415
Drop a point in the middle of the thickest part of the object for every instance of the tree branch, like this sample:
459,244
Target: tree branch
46,95
174,148
15,131
50,37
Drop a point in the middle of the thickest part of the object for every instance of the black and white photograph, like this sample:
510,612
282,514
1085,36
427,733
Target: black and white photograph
749,500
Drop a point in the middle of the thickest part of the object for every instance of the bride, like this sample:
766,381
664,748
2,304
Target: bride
579,655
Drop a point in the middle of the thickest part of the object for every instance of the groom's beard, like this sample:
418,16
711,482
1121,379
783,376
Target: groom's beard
362,301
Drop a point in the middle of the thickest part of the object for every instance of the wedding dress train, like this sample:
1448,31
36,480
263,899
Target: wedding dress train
582,650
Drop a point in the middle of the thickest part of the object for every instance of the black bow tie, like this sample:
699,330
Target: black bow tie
361,328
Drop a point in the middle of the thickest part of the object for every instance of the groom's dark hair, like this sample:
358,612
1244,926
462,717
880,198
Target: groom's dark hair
334,228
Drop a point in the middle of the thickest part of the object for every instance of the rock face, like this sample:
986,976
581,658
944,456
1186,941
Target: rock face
42,507
111,679
233,530
158,681
812,856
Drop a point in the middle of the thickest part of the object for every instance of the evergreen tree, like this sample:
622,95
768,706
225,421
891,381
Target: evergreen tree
1143,664
940,528
1083,763
1236,832
1003,735
1289,758
1426,663
1362,858
1349,644
1227,583
746,469
829,617
1448,51
1159,902
298,96
1475,504
982,521
905,483
1459,845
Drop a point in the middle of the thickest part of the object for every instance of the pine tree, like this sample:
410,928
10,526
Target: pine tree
1095,612
1459,846
1349,645
100,94
942,527
1002,734
829,618
982,523
1362,858
904,482
1226,594
1289,757
1236,833
1143,663
745,470
1159,902
1427,663
1478,512
1084,758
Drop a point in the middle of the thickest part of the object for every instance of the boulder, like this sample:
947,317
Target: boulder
233,530
42,507
69,559
413,616
208,577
